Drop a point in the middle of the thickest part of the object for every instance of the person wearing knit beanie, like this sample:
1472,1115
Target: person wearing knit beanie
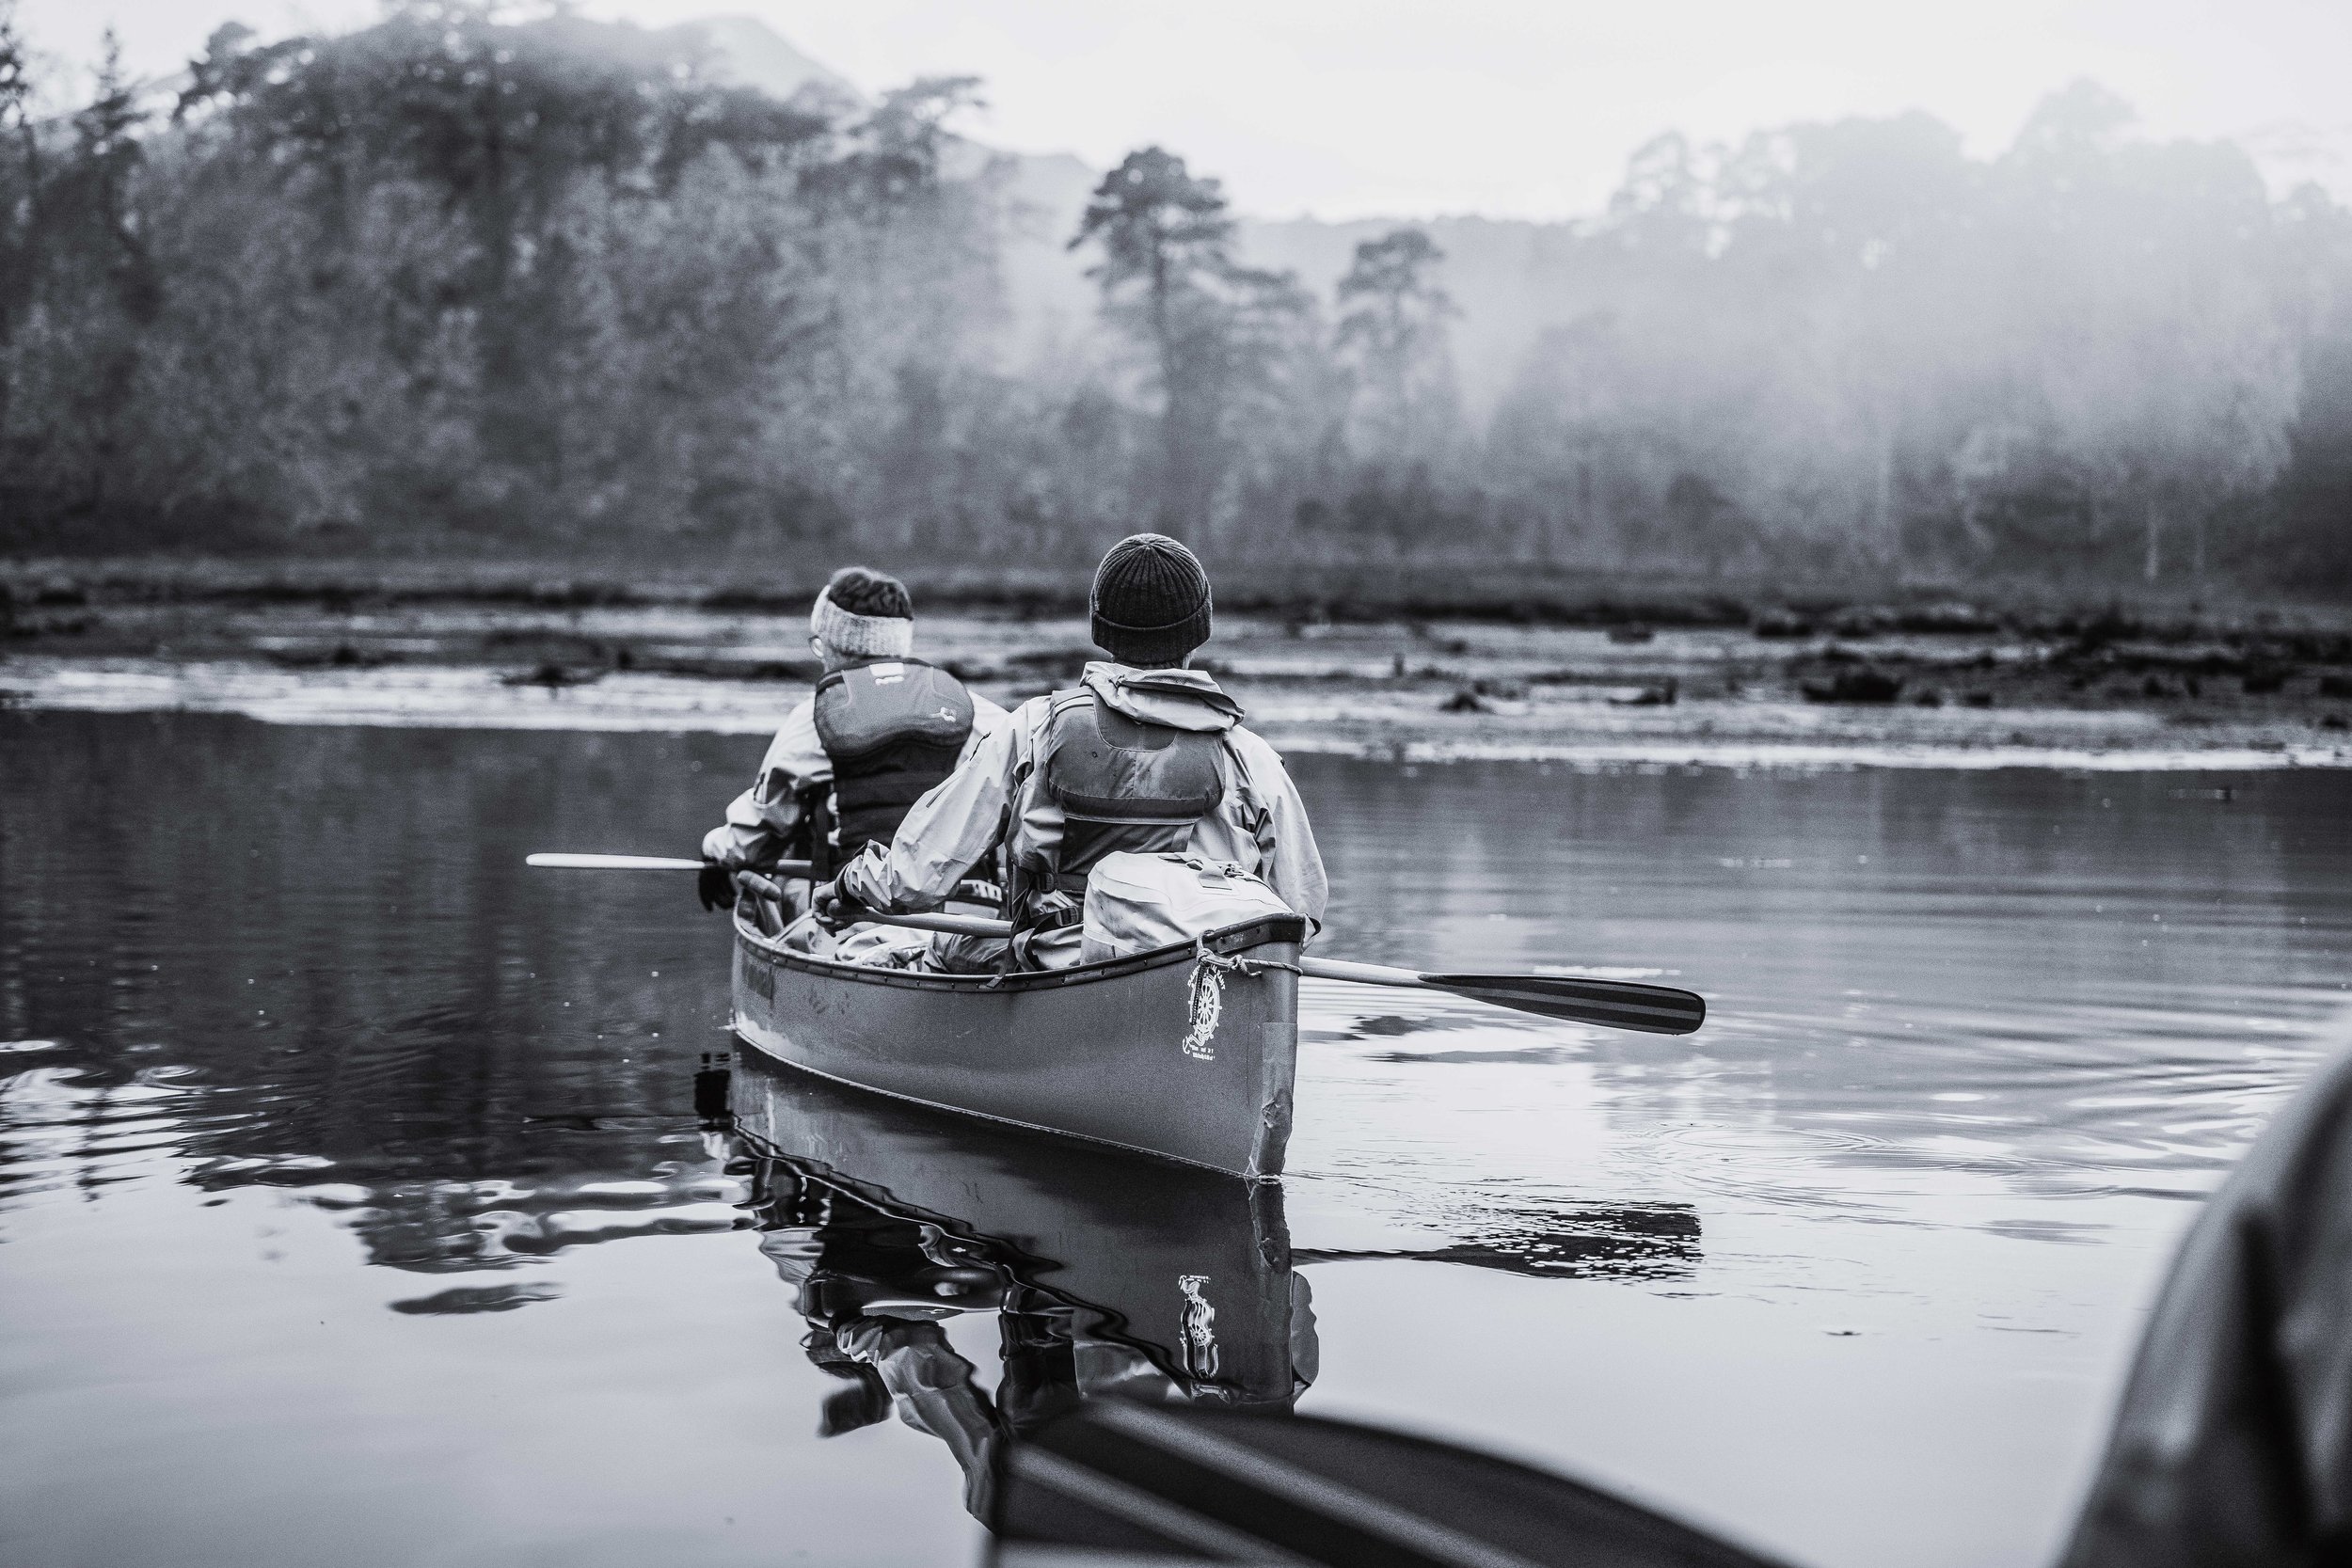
863,613
1151,605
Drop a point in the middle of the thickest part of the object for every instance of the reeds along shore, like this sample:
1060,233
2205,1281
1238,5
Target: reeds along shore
452,286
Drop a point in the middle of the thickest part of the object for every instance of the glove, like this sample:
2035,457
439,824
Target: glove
716,886
835,908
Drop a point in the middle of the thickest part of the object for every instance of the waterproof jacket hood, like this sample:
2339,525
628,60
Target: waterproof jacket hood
1172,699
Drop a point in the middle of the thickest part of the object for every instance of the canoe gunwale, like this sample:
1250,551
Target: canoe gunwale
1224,943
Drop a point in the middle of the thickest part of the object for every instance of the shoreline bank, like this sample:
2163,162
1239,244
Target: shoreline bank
1356,592
1406,690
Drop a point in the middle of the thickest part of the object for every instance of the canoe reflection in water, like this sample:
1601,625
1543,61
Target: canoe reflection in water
1108,1273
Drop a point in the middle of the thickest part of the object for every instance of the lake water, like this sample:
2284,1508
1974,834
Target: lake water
356,1207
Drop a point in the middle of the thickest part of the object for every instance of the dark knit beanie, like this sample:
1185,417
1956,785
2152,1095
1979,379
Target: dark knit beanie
1151,603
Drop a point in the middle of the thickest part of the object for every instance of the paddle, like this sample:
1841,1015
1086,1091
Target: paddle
641,863
1613,1004
1610,1003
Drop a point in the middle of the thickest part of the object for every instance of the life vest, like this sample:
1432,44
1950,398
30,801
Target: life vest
1123,784
892,729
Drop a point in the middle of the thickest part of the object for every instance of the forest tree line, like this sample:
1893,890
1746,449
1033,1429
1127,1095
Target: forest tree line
455,282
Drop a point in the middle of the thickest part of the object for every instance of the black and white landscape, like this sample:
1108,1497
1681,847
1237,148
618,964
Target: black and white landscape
1842,510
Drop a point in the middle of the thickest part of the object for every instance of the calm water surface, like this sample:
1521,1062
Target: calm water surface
356,1207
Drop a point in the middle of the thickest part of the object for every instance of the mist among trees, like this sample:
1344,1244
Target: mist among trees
456,283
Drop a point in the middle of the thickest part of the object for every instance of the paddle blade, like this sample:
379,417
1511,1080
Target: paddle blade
1611,1003
611,862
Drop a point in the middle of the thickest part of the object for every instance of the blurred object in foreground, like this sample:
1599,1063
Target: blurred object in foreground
2235,1440
1129,1484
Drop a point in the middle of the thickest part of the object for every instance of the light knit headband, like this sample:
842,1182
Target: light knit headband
860,636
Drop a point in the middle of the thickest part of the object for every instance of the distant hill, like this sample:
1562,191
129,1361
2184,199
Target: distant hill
1494,268
1505,276
750,53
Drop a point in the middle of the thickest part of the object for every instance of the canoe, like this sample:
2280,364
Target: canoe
1126,1276
1131,1052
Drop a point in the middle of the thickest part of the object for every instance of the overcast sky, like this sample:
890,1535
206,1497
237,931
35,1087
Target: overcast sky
1346,108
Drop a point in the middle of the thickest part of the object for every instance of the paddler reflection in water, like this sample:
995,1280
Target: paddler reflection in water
881,728
1145,754
877,1288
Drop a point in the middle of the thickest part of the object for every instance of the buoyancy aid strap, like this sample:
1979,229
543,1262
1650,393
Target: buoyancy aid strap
1163,811
814,836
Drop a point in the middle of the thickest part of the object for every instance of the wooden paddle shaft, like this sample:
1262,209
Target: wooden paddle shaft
556,861
1367,975
954,924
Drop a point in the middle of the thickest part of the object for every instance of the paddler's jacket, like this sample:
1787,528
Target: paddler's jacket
1258,820
764,822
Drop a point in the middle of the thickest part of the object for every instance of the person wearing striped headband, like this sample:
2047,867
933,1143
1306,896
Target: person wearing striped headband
881,728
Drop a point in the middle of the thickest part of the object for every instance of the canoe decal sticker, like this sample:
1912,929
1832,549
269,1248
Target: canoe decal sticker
1206,997
1205,994
1200,1330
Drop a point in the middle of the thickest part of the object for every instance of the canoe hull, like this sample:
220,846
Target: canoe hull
1104,1051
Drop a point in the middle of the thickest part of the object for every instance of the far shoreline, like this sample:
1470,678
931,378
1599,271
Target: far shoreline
1920,682
1401,589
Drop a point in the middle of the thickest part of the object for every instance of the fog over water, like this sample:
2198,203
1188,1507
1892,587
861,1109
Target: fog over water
1513,108
353,1187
